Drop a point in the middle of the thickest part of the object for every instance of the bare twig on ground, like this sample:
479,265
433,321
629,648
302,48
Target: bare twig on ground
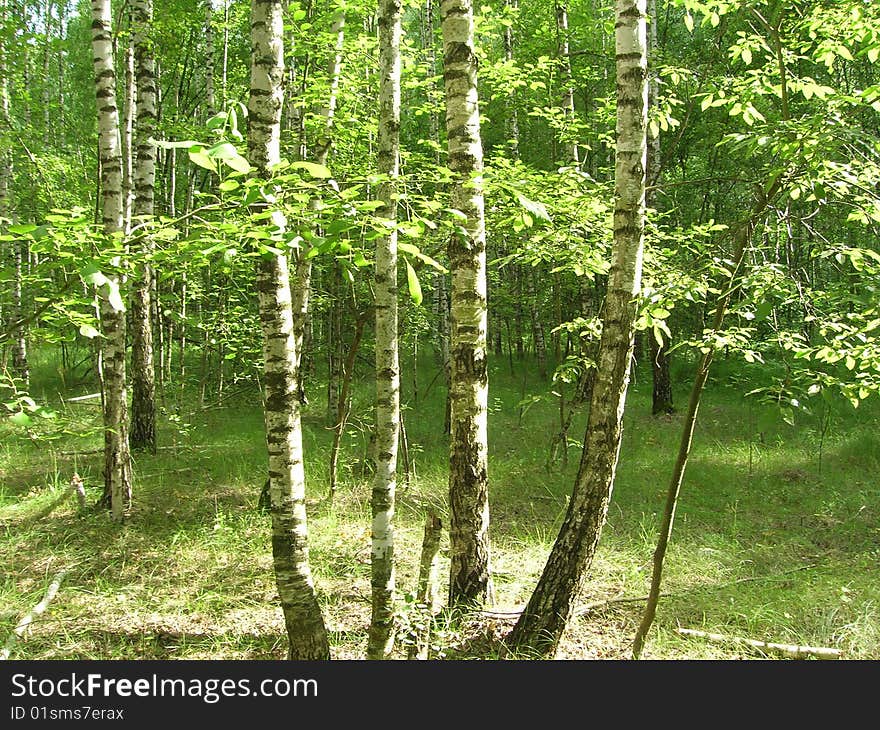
22,626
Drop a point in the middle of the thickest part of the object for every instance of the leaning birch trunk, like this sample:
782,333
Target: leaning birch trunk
387,356
304,622
143,376
469,579
542,623
117,460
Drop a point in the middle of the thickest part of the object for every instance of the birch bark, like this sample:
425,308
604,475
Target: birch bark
469,581
387,355
117,460
303,619
544,620
143,376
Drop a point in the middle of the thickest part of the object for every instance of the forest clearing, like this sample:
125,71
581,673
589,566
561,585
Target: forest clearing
434,330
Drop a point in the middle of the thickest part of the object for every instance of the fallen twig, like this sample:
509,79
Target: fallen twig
792,651
26,620
76,487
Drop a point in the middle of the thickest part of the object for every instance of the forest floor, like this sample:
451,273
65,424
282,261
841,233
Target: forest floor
777,537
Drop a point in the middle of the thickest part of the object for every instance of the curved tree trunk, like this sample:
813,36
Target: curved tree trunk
469,580
302,614
117,460
544,620
143,376
387,355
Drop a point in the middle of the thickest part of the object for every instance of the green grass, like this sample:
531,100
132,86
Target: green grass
766,545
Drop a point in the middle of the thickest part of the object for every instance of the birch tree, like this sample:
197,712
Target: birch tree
304,622
117,460
569,145
387,356
303,285
143,380
542,623
16,251
469,580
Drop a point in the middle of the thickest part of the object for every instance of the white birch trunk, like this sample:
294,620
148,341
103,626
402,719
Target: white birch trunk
387,356
117,460
128,115
303,283
302,614
469,581
569,146
544,620
210,100
16,250
143,376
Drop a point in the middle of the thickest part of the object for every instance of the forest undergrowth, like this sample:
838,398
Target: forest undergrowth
777,535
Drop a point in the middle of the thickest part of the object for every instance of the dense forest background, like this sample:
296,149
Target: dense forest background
390,243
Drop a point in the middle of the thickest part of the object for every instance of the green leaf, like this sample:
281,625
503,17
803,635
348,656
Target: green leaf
202,160
536,209
22,228
20,419
314,169
414,251
87,330
747,56
238,163
415,289
229,185
222,151
689,22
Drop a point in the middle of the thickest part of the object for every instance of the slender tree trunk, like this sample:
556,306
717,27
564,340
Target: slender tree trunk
343,407
128,116
742,236
661,401
537,326
47,44
303,283
117,460
335,316
306,632
17,250
20,365
387,356
512,120
569,144
143,377
210,100
546,616
469,580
